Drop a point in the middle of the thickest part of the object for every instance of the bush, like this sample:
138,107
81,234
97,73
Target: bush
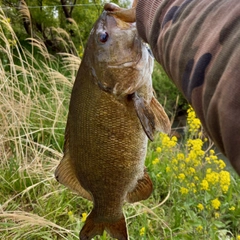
200,194
167,93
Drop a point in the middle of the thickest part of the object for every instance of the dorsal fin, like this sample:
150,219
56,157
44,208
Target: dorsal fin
65,173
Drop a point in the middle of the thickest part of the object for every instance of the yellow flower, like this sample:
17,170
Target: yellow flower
193,122
221,164
212,177
212,152
155,161
195,151
216,203
208,159
84,217
191,170
70,215
81,50
199,228
180,156
142,231
216,215
238,237
232,208
225,180
200,207
214,158
204,185
209,170
184,190
182,166
167,142
196,178
175,161
181,176
158,149
168,169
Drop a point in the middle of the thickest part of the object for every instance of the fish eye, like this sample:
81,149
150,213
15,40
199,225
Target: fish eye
103,37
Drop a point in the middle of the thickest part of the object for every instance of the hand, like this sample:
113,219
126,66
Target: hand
126,15
134,3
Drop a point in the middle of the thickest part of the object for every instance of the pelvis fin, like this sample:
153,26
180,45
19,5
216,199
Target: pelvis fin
66,175
152,116
142,190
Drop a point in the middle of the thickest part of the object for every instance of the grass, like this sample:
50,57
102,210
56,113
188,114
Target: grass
195,195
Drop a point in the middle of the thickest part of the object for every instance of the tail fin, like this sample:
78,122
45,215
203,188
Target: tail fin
92,228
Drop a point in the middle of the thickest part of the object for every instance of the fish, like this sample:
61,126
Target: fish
112,114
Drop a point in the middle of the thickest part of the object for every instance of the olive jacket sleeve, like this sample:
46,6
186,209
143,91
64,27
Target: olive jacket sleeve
198,44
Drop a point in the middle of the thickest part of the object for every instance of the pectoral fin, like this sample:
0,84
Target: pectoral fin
144,114
152,116
142,191
162,123
66,175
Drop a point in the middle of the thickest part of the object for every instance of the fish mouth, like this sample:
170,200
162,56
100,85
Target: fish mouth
125,64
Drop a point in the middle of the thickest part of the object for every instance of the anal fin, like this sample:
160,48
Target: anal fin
142,190
66,176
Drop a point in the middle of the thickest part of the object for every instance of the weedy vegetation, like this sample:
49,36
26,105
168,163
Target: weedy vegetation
196,196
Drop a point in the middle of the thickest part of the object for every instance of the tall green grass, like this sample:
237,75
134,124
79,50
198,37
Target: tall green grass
34,95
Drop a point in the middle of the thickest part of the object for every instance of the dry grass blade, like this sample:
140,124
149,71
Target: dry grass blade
63,38
30,222
26,17
39,44
23,9
71,63
33,111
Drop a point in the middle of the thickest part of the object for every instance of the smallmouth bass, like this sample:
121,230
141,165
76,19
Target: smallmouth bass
112,114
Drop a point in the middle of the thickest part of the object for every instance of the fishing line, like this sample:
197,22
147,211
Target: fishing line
53,6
